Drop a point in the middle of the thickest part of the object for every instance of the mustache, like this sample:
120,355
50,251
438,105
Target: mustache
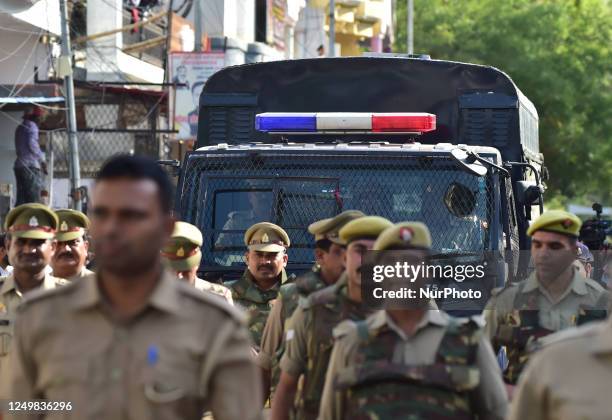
66,254
268,266
358,269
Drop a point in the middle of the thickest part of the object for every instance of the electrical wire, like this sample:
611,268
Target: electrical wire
23,84
12,53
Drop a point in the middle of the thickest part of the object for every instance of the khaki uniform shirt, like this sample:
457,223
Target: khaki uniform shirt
569,378
186,352
10,298
553,315
490,396
274,331
214,288
272,336
297,339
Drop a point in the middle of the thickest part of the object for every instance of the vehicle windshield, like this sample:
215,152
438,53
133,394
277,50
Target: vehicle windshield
225,199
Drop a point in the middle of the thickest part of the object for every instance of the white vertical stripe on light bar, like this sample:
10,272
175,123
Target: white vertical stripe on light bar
344,121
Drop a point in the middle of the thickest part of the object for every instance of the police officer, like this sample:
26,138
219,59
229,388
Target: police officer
569,378
182,253
550,299
132,342
408,360
30,246
309,341
71,254
329,257
266,259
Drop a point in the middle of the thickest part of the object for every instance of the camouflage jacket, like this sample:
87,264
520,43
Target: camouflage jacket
377,386
319,314
255,301
520,315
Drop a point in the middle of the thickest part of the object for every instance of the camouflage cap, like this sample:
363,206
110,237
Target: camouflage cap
329,228
266,237
367,227
557,221
32,220
404,235
182,252
72,225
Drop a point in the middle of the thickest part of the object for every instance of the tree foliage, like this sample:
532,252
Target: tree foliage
558,53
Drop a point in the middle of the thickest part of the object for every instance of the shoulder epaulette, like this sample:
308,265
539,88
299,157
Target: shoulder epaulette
320,297
287,290
307,283
41,294
344,328
212,300
594,284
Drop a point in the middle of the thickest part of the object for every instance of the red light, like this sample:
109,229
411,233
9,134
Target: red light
419,123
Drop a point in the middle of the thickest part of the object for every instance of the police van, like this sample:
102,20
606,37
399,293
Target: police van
451,144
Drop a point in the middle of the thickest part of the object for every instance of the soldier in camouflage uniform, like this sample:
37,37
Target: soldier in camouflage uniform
409,361
70,256
308,342
182,253
30,245
329,257
257,289
552,298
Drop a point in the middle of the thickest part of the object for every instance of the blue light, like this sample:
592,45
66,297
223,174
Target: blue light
287,123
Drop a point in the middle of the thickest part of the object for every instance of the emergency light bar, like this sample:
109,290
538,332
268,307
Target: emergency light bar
344,122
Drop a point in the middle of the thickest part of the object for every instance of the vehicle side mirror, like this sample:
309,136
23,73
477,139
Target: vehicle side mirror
174,164
468,162
528,193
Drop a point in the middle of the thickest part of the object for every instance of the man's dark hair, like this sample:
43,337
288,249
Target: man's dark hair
139,168
2,239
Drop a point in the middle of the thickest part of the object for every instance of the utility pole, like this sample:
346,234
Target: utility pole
197,17
410,27
332,28
65,71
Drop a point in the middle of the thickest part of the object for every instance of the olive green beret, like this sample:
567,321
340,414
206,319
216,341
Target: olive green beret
72,225
32,220
329,228
367,227
182,251
266,237
558,221
404,235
